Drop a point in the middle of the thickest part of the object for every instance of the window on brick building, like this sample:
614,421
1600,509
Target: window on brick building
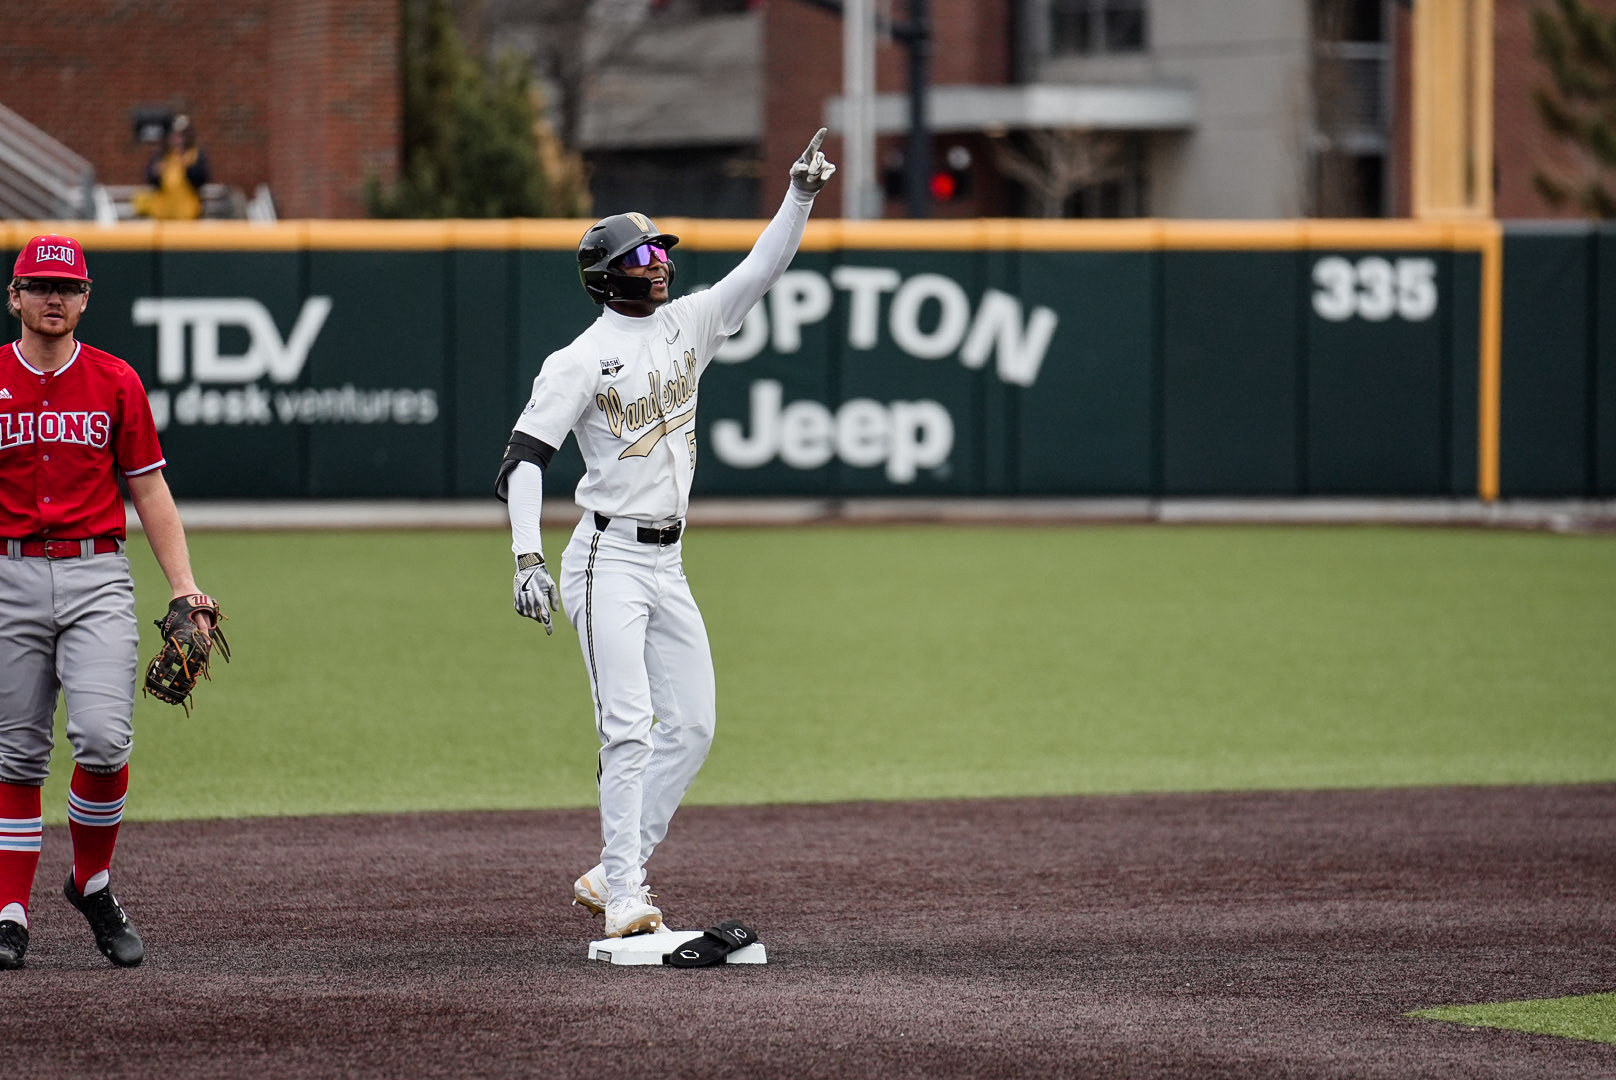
1096,27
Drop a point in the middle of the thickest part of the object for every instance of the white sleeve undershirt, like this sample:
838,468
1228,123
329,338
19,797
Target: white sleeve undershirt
525,501
741,289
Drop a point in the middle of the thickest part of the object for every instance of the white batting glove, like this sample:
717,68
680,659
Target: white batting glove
536,593
810,171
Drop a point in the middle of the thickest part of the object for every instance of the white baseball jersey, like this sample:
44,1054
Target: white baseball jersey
626,387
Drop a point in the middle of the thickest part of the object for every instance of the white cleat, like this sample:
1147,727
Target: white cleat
630,915
589,891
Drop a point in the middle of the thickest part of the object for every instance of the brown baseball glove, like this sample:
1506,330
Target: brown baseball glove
191,634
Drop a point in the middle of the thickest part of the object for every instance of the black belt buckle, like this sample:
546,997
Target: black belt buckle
62,549
664,536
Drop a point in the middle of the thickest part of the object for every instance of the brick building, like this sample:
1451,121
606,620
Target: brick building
1522,144
301,95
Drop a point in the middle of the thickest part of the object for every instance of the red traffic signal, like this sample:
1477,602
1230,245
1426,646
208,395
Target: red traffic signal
950,181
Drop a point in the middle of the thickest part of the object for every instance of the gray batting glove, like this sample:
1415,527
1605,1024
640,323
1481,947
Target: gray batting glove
810,171
536,595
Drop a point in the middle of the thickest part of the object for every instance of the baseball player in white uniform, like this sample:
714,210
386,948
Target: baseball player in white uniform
626,388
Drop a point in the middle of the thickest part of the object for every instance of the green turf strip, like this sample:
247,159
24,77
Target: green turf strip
381,671
1591,1017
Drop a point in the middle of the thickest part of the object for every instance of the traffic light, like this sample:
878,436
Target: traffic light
951,180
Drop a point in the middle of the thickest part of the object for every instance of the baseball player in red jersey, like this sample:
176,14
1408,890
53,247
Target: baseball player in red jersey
73,419
626,389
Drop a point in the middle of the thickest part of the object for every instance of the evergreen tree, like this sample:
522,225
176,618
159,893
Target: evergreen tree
470,132
1578,46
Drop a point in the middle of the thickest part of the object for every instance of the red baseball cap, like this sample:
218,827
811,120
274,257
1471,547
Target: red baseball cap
52,256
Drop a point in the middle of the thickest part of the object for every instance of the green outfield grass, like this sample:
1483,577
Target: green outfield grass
1591,1017
381,671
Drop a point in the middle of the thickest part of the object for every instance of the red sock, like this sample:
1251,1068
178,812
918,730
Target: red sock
94,810
21,829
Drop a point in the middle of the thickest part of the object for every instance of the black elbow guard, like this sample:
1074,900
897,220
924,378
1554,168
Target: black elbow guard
522,447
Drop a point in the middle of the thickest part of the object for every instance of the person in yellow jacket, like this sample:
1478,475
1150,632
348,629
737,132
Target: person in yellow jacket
176,175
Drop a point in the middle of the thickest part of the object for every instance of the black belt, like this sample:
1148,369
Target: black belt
666,536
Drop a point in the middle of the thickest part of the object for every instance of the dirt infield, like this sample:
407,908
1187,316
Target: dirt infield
1234,935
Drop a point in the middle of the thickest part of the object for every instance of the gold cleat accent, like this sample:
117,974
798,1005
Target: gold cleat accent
648,924
589,891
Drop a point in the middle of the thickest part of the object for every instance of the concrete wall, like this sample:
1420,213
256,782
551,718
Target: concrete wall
1248,62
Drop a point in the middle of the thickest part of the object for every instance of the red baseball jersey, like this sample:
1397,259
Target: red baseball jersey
62,435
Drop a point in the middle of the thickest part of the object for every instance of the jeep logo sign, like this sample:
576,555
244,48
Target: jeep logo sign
903,436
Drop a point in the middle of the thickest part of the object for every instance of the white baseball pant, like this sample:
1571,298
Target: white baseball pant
646,651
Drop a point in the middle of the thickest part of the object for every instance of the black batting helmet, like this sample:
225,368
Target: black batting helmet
608,240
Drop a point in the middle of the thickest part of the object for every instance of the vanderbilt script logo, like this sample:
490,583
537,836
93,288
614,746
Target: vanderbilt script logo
652,410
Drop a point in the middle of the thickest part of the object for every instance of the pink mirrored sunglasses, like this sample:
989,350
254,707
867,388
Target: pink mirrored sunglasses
644,255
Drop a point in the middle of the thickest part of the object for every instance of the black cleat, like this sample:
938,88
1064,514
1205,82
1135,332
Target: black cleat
13,944
115,935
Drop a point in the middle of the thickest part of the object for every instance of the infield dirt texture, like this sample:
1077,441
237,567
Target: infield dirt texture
1245,935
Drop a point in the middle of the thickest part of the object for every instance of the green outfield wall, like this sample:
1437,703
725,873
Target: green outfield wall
389,359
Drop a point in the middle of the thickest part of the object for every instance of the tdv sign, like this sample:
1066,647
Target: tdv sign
197,321
905,436
266,353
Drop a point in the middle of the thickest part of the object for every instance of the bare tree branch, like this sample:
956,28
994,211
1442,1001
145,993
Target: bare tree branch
1059,163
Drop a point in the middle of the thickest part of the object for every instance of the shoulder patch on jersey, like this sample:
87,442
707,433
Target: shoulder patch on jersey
611,365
